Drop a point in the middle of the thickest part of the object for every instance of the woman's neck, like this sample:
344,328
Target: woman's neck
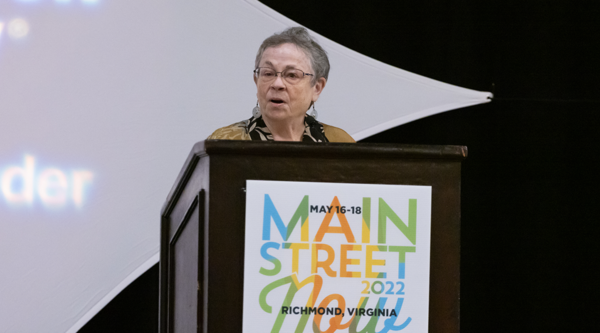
291,130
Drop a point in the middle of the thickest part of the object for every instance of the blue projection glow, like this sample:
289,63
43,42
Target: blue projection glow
19,28
21,185
89,2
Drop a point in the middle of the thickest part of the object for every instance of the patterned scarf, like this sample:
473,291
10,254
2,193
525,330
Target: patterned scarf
313,130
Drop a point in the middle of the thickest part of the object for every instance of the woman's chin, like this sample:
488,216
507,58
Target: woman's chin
276,114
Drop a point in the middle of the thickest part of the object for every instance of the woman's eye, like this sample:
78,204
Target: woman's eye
268,74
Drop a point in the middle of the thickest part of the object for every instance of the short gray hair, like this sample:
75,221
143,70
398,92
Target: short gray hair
299,36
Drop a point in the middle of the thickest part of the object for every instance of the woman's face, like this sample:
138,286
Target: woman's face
280,101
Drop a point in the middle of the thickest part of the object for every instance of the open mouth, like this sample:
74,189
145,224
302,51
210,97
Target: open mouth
276,101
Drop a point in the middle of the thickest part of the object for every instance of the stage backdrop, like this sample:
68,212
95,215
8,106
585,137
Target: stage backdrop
100,102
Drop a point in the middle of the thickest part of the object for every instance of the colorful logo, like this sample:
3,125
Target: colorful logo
341,263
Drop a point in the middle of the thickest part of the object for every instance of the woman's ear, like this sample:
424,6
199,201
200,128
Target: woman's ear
318,88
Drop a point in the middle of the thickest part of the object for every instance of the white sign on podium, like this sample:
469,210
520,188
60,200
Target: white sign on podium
332,257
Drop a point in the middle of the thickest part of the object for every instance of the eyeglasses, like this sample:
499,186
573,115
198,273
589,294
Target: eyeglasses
290,75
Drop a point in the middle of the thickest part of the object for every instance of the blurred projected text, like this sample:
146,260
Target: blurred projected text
26,183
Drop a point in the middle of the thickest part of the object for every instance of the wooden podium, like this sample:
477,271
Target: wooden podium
202,255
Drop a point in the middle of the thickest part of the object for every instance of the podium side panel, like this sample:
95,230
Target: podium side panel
181,262
184,273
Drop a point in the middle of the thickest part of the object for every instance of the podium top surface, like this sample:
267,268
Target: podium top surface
328,149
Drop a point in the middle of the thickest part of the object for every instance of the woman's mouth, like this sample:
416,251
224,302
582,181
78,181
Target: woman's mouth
277,101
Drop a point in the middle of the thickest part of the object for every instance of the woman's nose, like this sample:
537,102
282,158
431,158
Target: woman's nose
278,82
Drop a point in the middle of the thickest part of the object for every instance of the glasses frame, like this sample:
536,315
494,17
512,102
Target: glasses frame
257,71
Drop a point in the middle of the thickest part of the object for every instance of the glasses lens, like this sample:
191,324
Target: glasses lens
266,73
293,75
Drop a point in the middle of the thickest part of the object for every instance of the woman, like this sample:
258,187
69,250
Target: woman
291,72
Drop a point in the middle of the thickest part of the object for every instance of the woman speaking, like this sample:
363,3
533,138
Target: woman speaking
291,71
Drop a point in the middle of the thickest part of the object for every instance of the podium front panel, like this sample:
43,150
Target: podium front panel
219,170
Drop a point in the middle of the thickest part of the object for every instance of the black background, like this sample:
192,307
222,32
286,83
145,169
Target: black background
530,222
